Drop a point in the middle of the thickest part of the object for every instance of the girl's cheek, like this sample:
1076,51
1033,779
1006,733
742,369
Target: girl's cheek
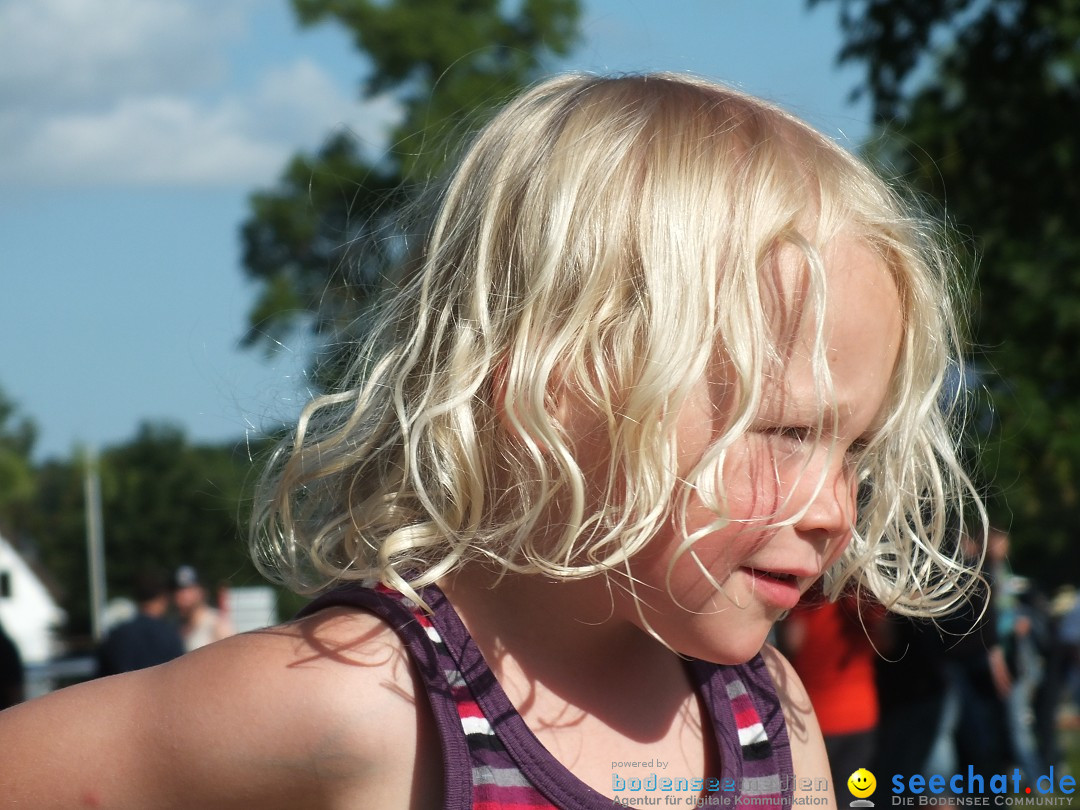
839,545
838,548
754,483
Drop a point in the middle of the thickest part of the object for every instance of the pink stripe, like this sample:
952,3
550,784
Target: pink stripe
742,703
494,797
468,708
746,718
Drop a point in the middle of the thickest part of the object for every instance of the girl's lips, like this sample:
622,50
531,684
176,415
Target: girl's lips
779,590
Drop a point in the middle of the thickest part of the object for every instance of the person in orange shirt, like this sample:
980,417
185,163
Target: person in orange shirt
832,647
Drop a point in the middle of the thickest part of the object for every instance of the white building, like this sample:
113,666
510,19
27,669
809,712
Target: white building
251,608
28,612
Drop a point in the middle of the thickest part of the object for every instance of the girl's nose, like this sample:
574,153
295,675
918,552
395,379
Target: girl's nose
830,502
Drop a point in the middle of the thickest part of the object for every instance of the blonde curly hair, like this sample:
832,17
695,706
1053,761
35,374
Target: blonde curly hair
607,236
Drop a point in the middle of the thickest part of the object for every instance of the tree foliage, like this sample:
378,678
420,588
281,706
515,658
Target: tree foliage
165,502
17,436
978,103
320,241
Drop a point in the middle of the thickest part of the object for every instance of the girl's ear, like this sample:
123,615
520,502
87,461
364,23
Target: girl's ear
555,410
499,389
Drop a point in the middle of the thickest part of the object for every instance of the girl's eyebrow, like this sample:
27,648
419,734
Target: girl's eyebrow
827,417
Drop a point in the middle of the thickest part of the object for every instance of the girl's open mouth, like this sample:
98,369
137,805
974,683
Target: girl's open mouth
771,575
777,589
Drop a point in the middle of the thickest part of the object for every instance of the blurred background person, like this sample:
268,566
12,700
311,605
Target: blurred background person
978,673
1023,631
832,647
200,624
943,684
12,675
918,711
1068,641
148,638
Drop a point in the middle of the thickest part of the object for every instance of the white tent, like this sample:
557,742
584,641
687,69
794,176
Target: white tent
28,612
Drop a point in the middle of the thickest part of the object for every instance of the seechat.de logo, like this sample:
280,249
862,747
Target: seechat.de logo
862,785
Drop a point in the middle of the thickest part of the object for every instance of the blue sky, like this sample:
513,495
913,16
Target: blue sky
133,131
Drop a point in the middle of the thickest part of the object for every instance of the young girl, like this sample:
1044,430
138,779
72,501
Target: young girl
667,357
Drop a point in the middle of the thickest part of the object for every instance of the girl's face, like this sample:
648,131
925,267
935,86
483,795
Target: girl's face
784,469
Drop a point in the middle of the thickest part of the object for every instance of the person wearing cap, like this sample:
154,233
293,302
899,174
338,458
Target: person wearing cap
200,624
148,638
12,674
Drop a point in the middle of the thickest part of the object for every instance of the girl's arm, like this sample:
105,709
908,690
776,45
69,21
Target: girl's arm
304,716
808,756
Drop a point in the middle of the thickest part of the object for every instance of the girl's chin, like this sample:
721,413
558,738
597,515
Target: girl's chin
728,644
733,654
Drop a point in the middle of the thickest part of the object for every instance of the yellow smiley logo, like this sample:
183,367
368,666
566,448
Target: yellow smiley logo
862,783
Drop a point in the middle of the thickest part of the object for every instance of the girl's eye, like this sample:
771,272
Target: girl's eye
858,447
801,434
794,433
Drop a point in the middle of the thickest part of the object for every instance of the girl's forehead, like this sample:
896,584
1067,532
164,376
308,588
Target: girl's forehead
840,315
801,286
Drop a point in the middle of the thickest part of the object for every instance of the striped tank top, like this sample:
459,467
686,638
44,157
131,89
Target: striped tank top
492,760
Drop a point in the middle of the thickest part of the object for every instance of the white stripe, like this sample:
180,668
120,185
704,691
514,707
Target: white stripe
752,734
476,725
503,777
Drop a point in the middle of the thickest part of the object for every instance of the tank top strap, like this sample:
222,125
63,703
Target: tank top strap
431,663
750,732
511,768
493,760
479,772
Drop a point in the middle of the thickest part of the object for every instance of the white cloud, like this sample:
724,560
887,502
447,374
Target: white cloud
300,103
180,141
140,92
147,141
85,51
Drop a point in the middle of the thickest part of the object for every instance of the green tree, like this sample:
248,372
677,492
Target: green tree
320,241
165,502
17,479
978,103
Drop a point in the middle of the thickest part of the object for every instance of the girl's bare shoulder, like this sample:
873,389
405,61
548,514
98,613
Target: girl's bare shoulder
325,648
808,755
341,670
313,713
